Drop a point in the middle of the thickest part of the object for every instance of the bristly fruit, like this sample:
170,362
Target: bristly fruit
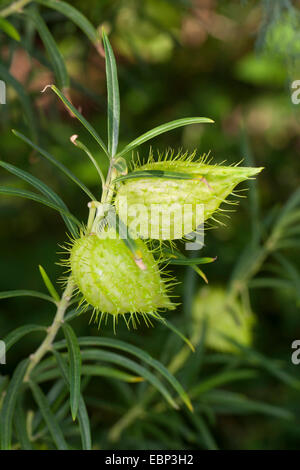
224,317
105,272
201,185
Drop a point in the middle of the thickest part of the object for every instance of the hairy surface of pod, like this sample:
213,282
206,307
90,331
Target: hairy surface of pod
168,209
223,318
107,275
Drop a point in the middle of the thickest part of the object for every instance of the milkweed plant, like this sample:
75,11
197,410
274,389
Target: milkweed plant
149,216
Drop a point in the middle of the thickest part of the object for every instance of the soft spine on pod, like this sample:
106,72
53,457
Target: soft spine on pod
209,187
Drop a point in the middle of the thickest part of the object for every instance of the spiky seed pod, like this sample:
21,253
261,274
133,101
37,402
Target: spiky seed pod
110,280
196,198
223,318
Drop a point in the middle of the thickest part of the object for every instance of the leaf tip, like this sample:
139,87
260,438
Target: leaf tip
190,406
137,379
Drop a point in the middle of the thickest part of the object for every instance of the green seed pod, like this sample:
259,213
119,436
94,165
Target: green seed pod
223,317
183,195
115,283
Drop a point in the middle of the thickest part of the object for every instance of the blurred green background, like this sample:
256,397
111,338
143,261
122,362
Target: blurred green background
232,61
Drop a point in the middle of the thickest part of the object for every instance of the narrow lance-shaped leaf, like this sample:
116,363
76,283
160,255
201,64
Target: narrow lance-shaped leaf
24,99
21,428
162,129
42,188
94,354
290,270
176,257
49,284
9,29
190,261
271,366
222,378
270,282
55,162
89,371
98,355
77,143
9,404
138,352
231,402
74,15
176,331
191,365
169,175
8,191
200,273
15,335
204,431
104,371
50,420
113,98
24,293
55,396
75,368
54,54
4,380
83,417
79,116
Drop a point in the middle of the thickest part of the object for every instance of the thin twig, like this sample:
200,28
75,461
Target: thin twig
52,330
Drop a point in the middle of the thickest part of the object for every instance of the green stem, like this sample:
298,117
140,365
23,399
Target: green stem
108,188
92,212
52,330
181,357
15,7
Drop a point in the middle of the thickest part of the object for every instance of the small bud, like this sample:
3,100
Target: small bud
169,208
223,318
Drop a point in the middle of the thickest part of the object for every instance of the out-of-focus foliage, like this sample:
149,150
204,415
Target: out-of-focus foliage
222,318
234,62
